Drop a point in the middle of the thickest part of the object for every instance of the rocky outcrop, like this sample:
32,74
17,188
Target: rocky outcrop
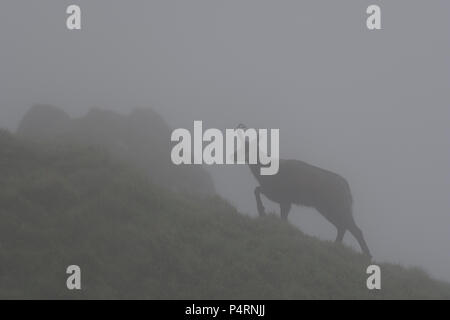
140,138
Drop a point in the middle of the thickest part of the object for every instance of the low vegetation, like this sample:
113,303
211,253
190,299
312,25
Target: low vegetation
67,204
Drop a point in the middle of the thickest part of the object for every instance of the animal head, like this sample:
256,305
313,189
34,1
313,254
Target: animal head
244,142
255,150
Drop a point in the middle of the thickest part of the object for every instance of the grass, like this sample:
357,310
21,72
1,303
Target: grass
66,204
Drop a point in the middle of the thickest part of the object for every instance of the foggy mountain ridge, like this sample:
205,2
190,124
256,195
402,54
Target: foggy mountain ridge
370,106
135,240
139,138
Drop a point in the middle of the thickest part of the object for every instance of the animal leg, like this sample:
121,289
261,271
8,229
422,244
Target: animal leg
340,235
357,233
285,208
259,203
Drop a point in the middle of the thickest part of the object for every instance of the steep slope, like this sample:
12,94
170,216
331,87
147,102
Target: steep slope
141,138
63,205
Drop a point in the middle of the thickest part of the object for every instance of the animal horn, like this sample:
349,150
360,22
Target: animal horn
244,127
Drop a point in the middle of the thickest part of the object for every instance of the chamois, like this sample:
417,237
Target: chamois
300,183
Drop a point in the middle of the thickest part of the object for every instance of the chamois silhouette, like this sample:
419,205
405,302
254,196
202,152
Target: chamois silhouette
300,183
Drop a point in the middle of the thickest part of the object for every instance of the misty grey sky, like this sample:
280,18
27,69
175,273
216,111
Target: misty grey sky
372,106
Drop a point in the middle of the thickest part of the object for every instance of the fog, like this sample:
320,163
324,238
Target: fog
372,106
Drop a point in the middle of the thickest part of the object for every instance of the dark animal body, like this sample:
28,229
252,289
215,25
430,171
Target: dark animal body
300,183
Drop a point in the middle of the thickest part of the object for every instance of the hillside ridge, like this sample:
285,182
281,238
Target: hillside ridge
65,204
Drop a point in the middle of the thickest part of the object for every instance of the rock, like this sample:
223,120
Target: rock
141,138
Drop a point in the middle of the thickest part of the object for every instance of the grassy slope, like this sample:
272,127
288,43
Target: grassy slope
71,205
